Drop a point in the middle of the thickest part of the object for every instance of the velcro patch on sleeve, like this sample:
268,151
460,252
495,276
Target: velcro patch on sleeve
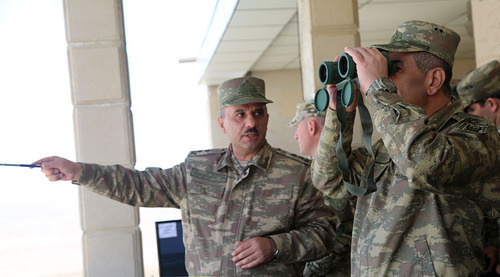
473,126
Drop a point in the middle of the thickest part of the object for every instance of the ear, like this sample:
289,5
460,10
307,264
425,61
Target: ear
220,121
493,104
311,126
434,80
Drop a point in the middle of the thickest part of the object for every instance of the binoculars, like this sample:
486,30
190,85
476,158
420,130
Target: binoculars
344,74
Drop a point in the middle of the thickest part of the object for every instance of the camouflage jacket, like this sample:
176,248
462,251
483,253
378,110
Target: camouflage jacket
338,262
426,216
274,197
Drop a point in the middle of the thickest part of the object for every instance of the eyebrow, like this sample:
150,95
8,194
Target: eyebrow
396,61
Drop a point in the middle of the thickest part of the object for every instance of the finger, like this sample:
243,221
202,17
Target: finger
490,268
240,246
52,177
353,52
53,174
44,160
242,254
252,264
248,262
332,92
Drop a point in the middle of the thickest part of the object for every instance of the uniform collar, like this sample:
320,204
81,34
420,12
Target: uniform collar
262,159
441,117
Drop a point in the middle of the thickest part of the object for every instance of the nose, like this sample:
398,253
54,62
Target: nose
250,121
296,134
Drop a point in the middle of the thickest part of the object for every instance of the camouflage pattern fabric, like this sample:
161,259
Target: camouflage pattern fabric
338,262
416,36
491,232
475,86
305,109
480,84
274,197
426,215
240,91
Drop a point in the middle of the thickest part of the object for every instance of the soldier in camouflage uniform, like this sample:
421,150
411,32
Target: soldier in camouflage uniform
249,209
424,214
479,92
309,124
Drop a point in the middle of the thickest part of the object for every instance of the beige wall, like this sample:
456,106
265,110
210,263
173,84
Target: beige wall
284,88
486,25
462,66
217,138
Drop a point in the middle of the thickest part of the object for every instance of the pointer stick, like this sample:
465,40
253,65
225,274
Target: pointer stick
21,165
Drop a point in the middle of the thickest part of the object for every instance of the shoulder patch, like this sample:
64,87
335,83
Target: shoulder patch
207,152
473,125
293,156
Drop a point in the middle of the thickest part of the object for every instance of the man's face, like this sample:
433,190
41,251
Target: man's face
484,111
246,127
304,138
409,80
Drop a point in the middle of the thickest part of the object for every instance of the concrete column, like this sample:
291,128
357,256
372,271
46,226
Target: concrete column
103,131
486,26
325,28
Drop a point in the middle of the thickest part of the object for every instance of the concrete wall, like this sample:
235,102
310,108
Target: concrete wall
284,88
486,26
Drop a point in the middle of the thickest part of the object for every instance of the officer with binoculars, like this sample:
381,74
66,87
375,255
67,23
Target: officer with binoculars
420,196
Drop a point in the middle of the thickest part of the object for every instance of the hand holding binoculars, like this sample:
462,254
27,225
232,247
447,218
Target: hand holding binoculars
342,73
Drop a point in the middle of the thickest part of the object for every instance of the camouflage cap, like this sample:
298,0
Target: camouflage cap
480,84
240,91
417,36
305,109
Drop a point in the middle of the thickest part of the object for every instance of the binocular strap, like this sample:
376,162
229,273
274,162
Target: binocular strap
343,163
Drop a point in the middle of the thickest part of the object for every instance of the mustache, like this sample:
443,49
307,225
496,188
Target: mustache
251,130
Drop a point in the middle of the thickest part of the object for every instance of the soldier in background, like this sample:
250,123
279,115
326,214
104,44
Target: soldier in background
479,92
249,209
308,125
421,211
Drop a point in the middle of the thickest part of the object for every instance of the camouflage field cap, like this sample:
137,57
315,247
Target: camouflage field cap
305,109
240,91
416,36
480,84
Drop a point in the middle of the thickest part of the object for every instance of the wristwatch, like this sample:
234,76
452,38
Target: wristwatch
384,84
277,251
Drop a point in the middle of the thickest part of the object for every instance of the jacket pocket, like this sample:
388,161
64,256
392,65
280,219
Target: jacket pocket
424,257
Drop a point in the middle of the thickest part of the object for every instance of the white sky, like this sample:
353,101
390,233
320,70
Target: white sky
40,234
